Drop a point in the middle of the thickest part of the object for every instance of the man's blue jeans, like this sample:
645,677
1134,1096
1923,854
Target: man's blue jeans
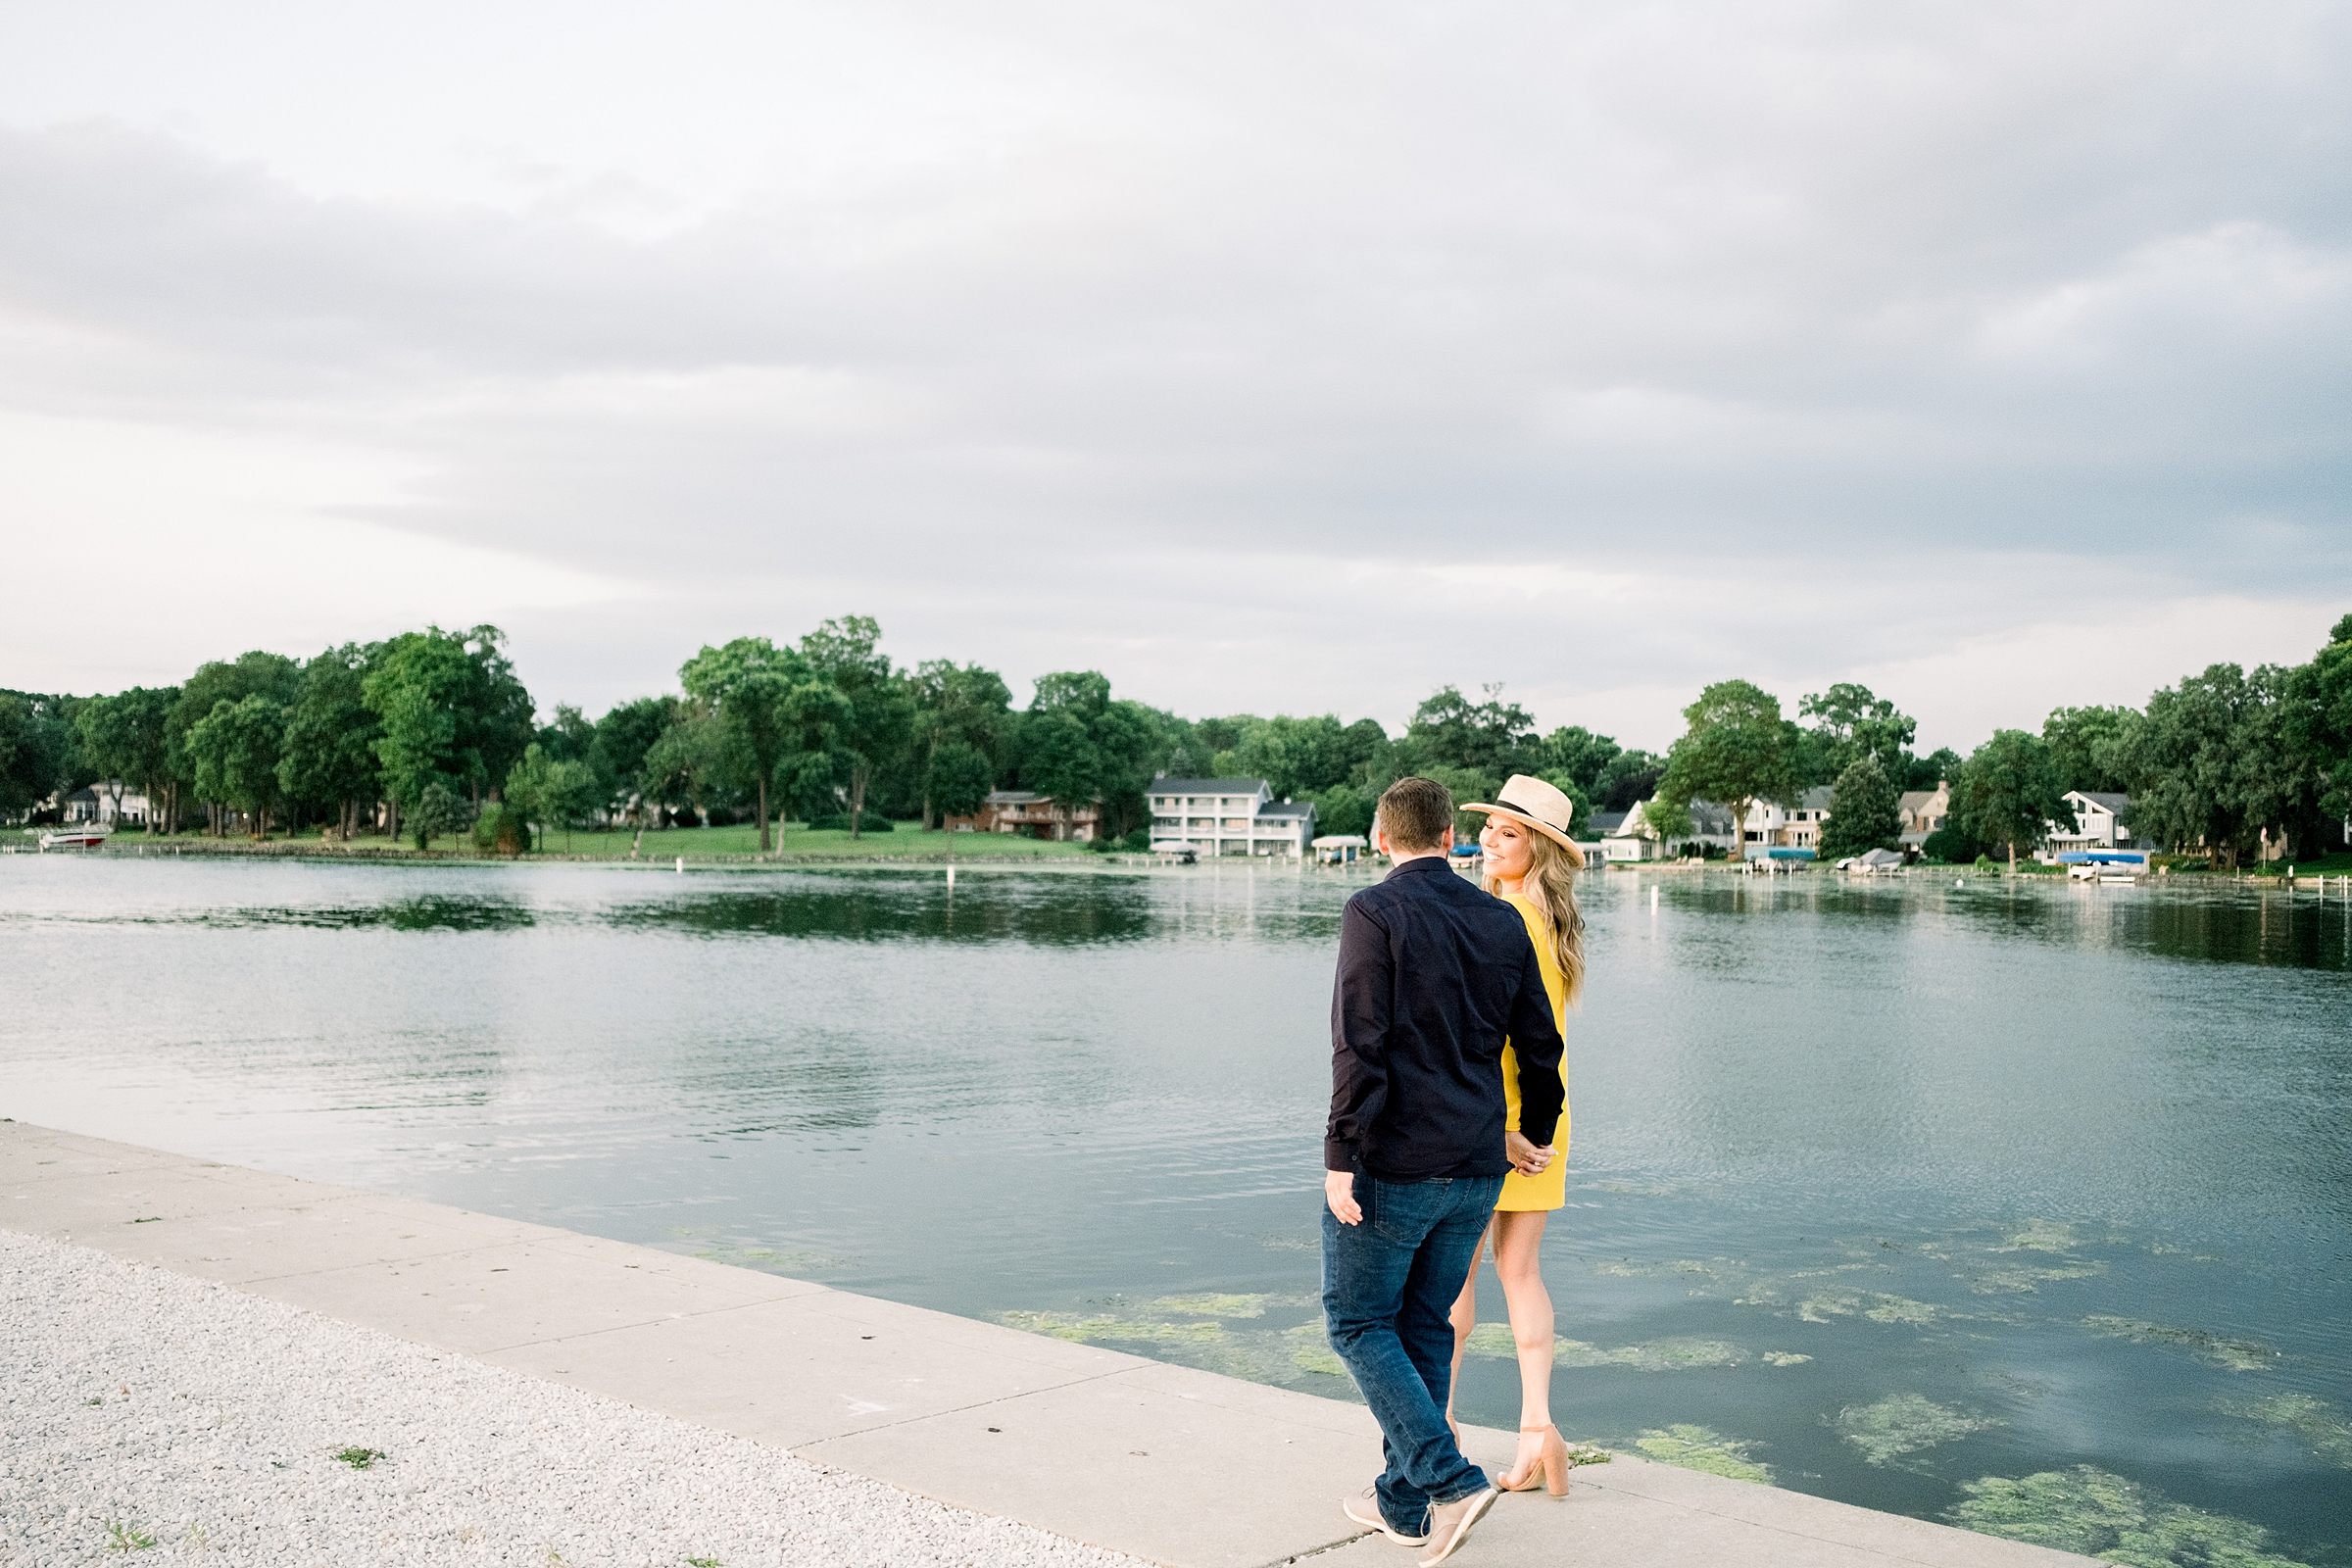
1388,1286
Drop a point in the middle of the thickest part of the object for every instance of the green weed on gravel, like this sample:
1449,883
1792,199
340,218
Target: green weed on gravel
361,1458
123,1535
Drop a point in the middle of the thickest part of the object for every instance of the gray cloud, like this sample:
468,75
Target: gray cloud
1780,340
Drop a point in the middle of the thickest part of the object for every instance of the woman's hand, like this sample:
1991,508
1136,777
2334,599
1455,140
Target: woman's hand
1528,1159
1339,1191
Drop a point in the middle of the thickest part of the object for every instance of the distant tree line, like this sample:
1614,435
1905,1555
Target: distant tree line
2230,763
431,733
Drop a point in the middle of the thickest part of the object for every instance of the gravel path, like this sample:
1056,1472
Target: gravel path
138,1405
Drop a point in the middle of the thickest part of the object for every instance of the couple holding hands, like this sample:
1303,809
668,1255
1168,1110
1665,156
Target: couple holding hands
1448,1107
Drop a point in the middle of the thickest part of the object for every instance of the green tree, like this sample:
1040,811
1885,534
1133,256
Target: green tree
548,789
1851,721
1938,766
1735,751
684,760
1493,738
1581,755
2009,791
2215,762
747,683
27,756
1667,820
236,750
1080,746
495,714
1060,759
962,710
1864,814
502,828
125,738
2091,745
417,689
958,780
1129,739
627,732
1345,808
815,716
2317,720
874,730
255,674
329,759
440,812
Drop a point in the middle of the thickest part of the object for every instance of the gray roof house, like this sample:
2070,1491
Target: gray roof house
1228,817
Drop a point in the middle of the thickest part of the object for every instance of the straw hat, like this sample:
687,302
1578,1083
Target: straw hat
1535,803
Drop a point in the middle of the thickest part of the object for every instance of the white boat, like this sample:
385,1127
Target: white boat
86,836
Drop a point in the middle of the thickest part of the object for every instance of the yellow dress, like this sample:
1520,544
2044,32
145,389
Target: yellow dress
1549,1190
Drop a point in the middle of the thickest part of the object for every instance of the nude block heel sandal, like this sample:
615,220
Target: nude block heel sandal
1551,1465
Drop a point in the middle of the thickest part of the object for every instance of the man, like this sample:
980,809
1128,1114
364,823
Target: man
1434,974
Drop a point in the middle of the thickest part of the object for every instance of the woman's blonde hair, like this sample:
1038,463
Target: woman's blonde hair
1550,886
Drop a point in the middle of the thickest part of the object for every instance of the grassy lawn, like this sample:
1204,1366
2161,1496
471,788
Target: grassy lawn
688,843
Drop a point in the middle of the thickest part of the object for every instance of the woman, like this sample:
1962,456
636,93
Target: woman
1530,862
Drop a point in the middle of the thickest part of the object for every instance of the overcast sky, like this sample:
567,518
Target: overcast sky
1270,358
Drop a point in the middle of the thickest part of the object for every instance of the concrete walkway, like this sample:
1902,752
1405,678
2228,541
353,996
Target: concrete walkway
1184,1467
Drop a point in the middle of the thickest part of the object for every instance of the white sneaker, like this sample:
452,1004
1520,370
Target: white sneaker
1365,1508
1451,1525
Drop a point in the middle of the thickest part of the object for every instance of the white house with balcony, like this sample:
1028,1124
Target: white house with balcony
2099,825
1229,817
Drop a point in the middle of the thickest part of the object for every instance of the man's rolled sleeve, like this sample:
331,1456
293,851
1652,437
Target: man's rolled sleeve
1360,997
1536,1040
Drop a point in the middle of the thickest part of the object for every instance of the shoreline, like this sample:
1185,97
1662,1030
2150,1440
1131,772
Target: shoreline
1099,1449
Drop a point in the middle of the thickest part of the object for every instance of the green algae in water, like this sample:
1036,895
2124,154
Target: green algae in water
2039,1236
2099,1515
1491,1339
1681,1355
1696,1448
2025,1281
2238,1356
1879,1308
1905,1423
1214,1305
2320,1425
1311,1351
1084,1330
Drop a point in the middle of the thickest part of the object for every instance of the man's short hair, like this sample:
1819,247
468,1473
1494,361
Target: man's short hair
1417,813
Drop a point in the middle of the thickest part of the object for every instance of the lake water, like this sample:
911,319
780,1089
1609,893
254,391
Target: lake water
1884,1188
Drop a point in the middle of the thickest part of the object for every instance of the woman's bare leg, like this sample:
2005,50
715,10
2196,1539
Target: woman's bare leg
1518,1260
1465,1319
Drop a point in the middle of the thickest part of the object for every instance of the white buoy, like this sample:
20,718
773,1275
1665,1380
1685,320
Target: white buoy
681,866
1653,898
1956,882
951,876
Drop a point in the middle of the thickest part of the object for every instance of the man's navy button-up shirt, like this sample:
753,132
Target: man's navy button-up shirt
1435,975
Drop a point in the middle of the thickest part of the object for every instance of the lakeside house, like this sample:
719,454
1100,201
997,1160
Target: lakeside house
1631,839
1792,827
1924,812
110,802
2099,816
1230,817
1026,813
